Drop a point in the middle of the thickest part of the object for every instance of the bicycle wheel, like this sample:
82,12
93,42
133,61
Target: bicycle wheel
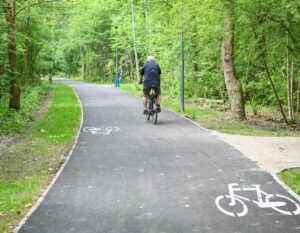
148,109
284,209
154,112
148,116
154,116
240,209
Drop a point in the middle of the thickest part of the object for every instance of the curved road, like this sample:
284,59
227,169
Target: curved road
128,175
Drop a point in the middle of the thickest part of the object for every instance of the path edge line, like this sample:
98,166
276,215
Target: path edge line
43,195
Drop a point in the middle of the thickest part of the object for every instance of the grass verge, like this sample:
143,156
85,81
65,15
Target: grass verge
291,177
27,167
212,119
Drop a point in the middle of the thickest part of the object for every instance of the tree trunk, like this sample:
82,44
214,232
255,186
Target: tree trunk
298,92
10,16
134,40
15,92
233,84
148,25
83,63
264,65
27,62
131,70
289,77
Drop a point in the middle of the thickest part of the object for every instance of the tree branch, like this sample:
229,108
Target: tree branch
286,28
32,5
167,3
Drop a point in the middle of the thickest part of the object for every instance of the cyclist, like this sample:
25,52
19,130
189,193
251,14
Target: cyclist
150,76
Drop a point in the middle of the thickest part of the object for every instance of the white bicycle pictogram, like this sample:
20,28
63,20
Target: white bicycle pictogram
237,203
102,131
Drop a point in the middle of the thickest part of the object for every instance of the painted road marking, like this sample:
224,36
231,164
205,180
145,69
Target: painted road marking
101,131
234,205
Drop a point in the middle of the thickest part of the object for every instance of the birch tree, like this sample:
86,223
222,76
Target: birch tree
134,40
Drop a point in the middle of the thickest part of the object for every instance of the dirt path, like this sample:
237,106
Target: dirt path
272,154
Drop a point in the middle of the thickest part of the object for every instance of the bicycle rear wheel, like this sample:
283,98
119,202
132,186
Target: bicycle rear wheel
154,114
290,207
148,109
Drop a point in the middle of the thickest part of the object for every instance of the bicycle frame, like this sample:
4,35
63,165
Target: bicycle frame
234,196
261,202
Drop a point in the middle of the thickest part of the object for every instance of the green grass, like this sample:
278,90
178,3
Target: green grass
25,169
210,118
291,178
59,130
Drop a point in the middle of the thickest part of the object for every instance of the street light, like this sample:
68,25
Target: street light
117,62
182,73
117,79
182,62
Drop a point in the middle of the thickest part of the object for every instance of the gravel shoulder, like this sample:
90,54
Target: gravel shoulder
272,154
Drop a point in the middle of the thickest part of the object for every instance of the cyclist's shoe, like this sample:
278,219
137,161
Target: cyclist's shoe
158,108
145,112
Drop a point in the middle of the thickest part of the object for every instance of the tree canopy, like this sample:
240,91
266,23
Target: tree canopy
78,38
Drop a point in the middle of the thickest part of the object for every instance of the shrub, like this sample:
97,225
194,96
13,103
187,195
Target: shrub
11,121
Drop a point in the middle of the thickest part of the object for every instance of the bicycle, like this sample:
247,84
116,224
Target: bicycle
264,200
152,112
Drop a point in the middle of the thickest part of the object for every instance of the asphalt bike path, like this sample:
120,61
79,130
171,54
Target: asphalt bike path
129,175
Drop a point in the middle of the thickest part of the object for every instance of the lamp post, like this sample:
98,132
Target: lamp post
182,62
117,78
182,73
117,61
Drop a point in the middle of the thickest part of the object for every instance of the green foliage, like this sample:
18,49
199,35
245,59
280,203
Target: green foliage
96,28
79,39
12,121
266,29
